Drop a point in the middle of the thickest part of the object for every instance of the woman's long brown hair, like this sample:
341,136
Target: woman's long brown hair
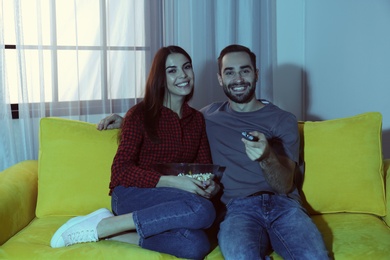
155,88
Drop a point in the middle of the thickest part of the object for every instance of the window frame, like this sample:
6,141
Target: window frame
85,107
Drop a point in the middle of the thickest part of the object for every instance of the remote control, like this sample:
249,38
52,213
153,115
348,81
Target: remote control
249,137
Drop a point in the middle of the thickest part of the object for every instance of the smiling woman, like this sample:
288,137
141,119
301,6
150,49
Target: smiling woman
162,128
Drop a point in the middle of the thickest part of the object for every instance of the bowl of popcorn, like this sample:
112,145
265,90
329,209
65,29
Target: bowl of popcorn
201,172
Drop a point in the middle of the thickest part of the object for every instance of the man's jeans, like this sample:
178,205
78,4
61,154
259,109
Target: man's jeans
254,225
168,220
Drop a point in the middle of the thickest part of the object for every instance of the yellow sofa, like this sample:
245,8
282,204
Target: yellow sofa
344,190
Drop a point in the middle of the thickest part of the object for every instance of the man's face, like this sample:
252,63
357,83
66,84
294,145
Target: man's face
238,77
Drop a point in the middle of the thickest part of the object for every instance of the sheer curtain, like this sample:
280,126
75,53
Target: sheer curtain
86,59
76,59
204,28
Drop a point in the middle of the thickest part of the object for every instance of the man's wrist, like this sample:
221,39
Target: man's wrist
265,156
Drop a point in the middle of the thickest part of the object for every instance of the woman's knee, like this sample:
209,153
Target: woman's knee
204,213
182,243
198,245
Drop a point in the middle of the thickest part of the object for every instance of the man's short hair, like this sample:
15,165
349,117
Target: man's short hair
235,48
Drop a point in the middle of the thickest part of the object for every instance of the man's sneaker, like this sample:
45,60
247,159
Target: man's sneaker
79,229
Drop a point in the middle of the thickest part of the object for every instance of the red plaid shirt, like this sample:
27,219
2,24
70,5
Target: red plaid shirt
181,141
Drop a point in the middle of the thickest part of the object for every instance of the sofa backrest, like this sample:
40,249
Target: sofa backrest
343,163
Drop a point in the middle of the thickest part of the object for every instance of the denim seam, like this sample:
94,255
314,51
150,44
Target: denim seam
137,225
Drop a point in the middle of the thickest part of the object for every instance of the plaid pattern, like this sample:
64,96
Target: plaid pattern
181,141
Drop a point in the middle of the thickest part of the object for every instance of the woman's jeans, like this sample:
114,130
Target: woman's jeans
254,225
168,220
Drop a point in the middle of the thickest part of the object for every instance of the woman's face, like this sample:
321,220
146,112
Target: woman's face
179,74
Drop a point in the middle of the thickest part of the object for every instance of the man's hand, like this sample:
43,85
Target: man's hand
257,150
278,170
112,121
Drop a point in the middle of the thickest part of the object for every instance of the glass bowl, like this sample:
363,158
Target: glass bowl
189,169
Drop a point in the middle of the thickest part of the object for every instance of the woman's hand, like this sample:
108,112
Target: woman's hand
205,189
210,188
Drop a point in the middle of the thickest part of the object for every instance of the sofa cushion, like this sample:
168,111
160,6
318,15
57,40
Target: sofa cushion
74,167
343,165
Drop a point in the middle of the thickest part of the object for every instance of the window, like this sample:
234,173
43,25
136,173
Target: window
83,51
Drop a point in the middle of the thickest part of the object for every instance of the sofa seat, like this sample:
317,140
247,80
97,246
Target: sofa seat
33,242
354,236
348,236
366,234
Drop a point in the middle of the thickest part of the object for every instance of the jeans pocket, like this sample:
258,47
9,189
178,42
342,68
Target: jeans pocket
238,202
230,202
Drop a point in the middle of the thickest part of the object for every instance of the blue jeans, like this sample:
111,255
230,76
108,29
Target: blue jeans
253,226
168,220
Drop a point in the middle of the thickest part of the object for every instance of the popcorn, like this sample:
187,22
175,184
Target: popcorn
198,176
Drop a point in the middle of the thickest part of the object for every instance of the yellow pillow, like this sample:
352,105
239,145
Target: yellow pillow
74,167
344,166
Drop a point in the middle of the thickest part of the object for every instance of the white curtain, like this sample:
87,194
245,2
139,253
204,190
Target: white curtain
77,59
205,27
86,59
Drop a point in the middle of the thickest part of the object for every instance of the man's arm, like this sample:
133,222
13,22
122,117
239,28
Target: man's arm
278,170
112,121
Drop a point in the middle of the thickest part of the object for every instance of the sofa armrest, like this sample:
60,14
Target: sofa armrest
387,189
18,197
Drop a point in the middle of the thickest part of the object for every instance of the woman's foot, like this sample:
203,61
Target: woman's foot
79,229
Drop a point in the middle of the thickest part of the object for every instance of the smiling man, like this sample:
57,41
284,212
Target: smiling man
263,209
239,84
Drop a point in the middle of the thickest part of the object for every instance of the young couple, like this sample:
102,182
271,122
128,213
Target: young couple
261,209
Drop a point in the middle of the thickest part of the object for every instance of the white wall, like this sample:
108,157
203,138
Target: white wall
336,53
289,58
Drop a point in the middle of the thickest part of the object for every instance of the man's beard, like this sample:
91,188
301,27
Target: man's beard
242,98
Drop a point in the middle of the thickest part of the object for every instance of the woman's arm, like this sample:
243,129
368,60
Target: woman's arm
125,169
